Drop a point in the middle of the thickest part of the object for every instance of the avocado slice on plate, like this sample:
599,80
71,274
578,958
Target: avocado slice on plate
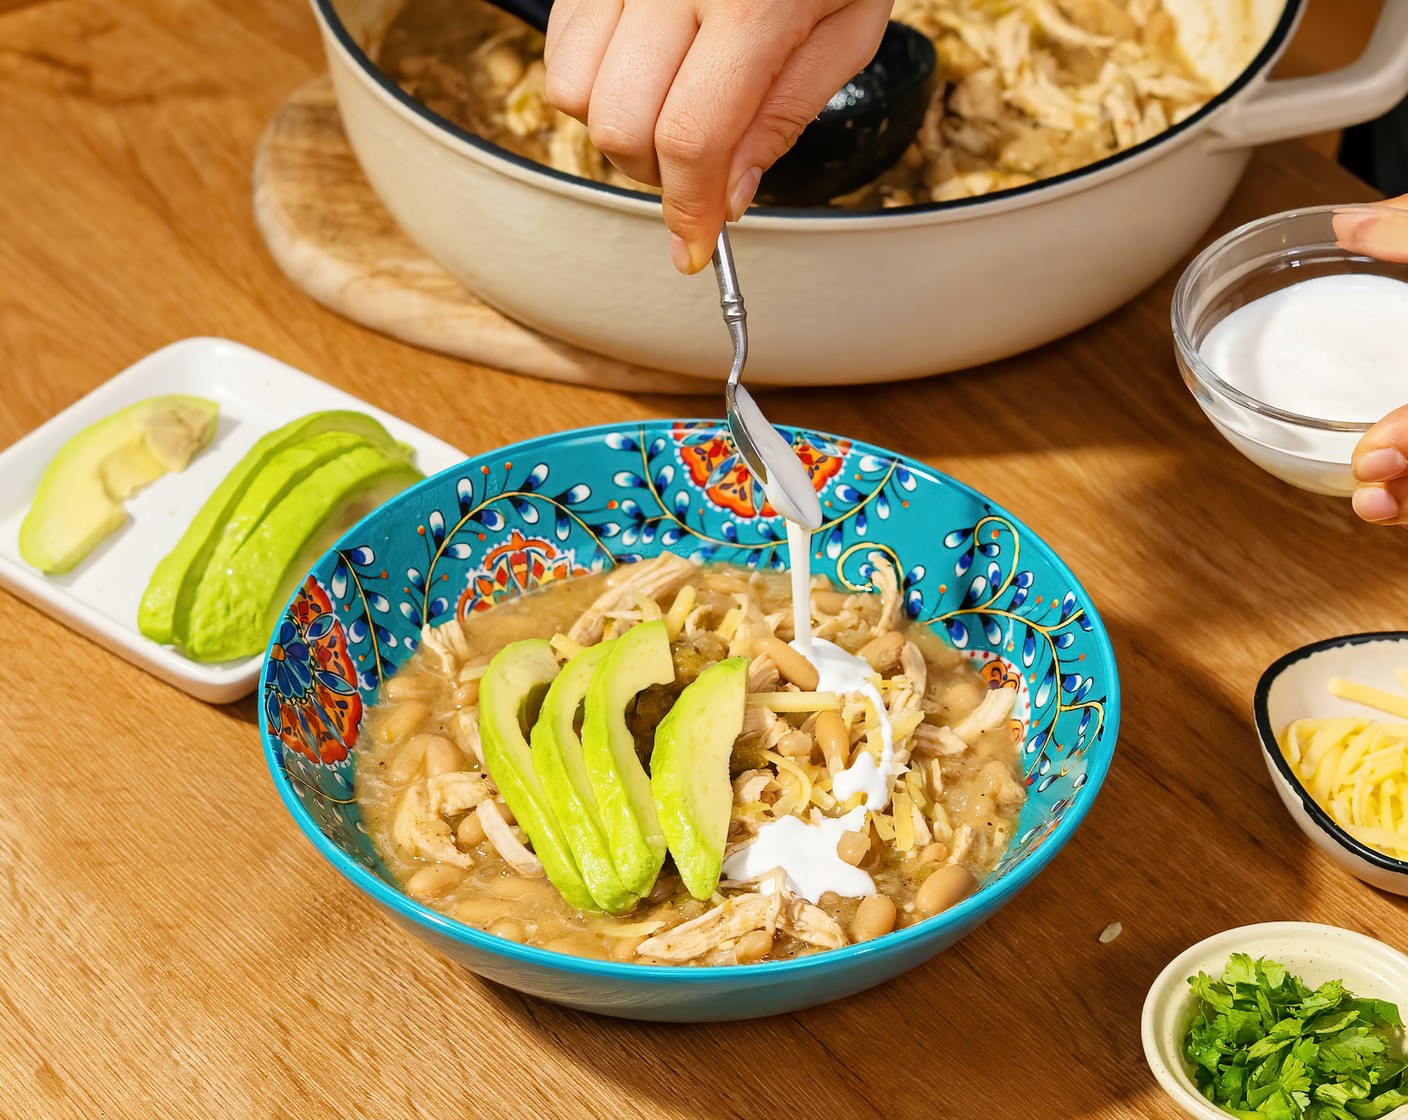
638,659
512,685
80,497
284,474
557,758
244,587
161,615
689,771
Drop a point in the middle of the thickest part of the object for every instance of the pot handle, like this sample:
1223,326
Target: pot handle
1367,88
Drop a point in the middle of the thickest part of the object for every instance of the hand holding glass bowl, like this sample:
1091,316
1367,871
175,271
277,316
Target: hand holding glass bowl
1294,389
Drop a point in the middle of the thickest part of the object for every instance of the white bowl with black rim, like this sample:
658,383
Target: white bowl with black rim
1296,686
838,296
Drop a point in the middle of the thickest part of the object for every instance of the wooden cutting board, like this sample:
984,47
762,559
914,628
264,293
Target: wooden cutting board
331,236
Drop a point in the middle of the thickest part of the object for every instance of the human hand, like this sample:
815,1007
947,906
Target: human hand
700,97
1380,461
1381,471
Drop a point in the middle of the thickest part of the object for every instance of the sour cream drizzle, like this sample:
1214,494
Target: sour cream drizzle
806,852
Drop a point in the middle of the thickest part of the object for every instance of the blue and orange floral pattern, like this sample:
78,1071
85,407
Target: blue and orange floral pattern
519,564
585,500
717,469
311,700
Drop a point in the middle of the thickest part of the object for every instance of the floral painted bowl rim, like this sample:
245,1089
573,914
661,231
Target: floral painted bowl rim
1271,745
986,899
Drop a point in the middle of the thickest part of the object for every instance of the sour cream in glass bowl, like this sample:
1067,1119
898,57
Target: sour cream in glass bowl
1290,332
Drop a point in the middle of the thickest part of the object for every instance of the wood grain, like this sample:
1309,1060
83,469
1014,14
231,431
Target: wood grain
332,237
170,946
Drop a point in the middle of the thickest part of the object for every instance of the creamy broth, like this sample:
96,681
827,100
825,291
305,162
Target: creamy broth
962,792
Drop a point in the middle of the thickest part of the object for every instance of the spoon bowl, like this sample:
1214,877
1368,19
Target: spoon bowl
770,458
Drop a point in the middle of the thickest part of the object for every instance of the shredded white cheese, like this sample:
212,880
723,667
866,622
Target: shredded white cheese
1356,768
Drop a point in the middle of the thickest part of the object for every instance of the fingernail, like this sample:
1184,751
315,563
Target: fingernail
1374,503
743,192
679,253
1380,465
1350,226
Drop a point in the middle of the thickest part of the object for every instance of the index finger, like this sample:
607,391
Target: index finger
1382,452
712,101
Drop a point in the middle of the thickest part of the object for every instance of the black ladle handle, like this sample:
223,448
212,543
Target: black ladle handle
532,12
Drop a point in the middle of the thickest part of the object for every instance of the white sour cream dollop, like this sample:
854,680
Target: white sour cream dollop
806,851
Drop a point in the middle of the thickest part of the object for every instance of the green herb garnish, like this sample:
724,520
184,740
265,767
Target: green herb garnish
1263,1045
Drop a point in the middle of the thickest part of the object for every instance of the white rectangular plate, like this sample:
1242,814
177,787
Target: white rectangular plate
99,598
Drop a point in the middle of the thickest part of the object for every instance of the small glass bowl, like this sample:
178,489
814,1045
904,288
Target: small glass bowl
1312,452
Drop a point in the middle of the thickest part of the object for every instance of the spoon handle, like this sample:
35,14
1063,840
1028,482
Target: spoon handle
731,300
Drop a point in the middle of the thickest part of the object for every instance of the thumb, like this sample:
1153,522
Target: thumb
1379,235
1381,471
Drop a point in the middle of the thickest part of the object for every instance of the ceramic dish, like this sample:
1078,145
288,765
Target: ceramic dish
587,263
1316,953
1294,687
99,598
590,498
1312,452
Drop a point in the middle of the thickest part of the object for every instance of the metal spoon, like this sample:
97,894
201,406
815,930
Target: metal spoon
770,457
860,133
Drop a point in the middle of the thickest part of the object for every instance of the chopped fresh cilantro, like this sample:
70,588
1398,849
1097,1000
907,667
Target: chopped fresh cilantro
1263,1046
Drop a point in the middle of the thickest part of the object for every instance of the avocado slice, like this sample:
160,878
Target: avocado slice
557,758
689,771
512,684
244,587
167,598
80,497
638,659
281,477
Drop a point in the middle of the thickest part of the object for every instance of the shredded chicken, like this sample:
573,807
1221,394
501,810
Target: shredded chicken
445,646
750,786
902,701
962,847
755,721
458,791
996,707
655,578
887,582
762,674
728,921
811,924
922,835
510,848
913,666
419,831
467,733
930,739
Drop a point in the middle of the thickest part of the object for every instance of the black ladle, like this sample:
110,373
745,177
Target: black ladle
860,134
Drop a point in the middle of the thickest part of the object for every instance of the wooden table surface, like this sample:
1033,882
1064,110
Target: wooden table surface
171,946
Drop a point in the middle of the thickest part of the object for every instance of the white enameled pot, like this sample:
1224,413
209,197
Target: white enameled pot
834,297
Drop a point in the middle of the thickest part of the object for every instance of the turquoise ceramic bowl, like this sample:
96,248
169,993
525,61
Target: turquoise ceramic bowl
584,500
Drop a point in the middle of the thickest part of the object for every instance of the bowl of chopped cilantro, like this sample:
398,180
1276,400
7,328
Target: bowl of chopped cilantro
1282,1021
